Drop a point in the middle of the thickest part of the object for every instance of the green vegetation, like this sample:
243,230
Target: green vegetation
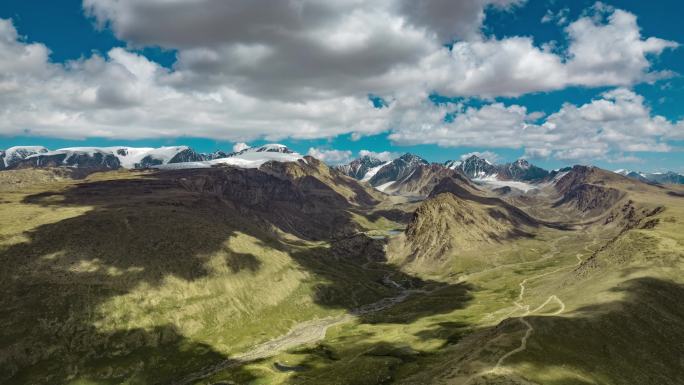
128,278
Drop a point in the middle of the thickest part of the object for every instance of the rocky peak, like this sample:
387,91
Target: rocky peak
358,168
273,147
521,163
412,160
476,167
218,154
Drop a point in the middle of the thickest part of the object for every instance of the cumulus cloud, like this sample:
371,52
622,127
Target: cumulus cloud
125,95
384,156
331,156
316,49
237,147
492,125
605,128
249,70
450,19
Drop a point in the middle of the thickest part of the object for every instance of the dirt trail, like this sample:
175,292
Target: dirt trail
303,333
518,303
526,308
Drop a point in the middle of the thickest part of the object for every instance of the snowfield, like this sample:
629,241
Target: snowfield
17,153
248,158
371,173
495,183
384,187
128,156
172,157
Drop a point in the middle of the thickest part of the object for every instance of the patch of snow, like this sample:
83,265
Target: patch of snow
133,155
487,178
522,163
559,176
495,183
275,147
371,172
183,165
454,164
384,186
256,159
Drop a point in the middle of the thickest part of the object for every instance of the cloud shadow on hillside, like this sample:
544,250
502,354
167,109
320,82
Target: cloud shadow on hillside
144,230
632,341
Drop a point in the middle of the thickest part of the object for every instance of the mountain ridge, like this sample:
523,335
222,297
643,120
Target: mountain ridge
365,168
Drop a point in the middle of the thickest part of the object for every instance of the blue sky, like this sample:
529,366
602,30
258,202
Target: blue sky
71,34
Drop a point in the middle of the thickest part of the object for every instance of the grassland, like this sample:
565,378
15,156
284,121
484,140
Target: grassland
149,282
140,283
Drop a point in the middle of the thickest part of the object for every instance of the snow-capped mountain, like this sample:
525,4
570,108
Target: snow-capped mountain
377,172
252,157
271,147
474,167
397,169
214,155
668,177
522,170
363,168
149,157
477,168
109,157
77,157
409,174
453,164
14,155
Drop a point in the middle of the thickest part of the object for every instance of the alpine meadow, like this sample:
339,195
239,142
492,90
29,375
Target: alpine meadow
471,192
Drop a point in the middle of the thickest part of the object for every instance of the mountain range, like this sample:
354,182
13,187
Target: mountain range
112,158
408,173
668,177
388,175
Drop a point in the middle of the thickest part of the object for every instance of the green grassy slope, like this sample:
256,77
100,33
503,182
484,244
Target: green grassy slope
132,278
127,278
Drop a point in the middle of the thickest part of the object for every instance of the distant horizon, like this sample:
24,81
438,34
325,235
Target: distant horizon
230,148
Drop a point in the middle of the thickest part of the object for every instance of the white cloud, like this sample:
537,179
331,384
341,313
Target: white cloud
537,153
605,128
247,70
612,53
332,156
599,54
560,17
237,147
492,125
124,95
384,156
